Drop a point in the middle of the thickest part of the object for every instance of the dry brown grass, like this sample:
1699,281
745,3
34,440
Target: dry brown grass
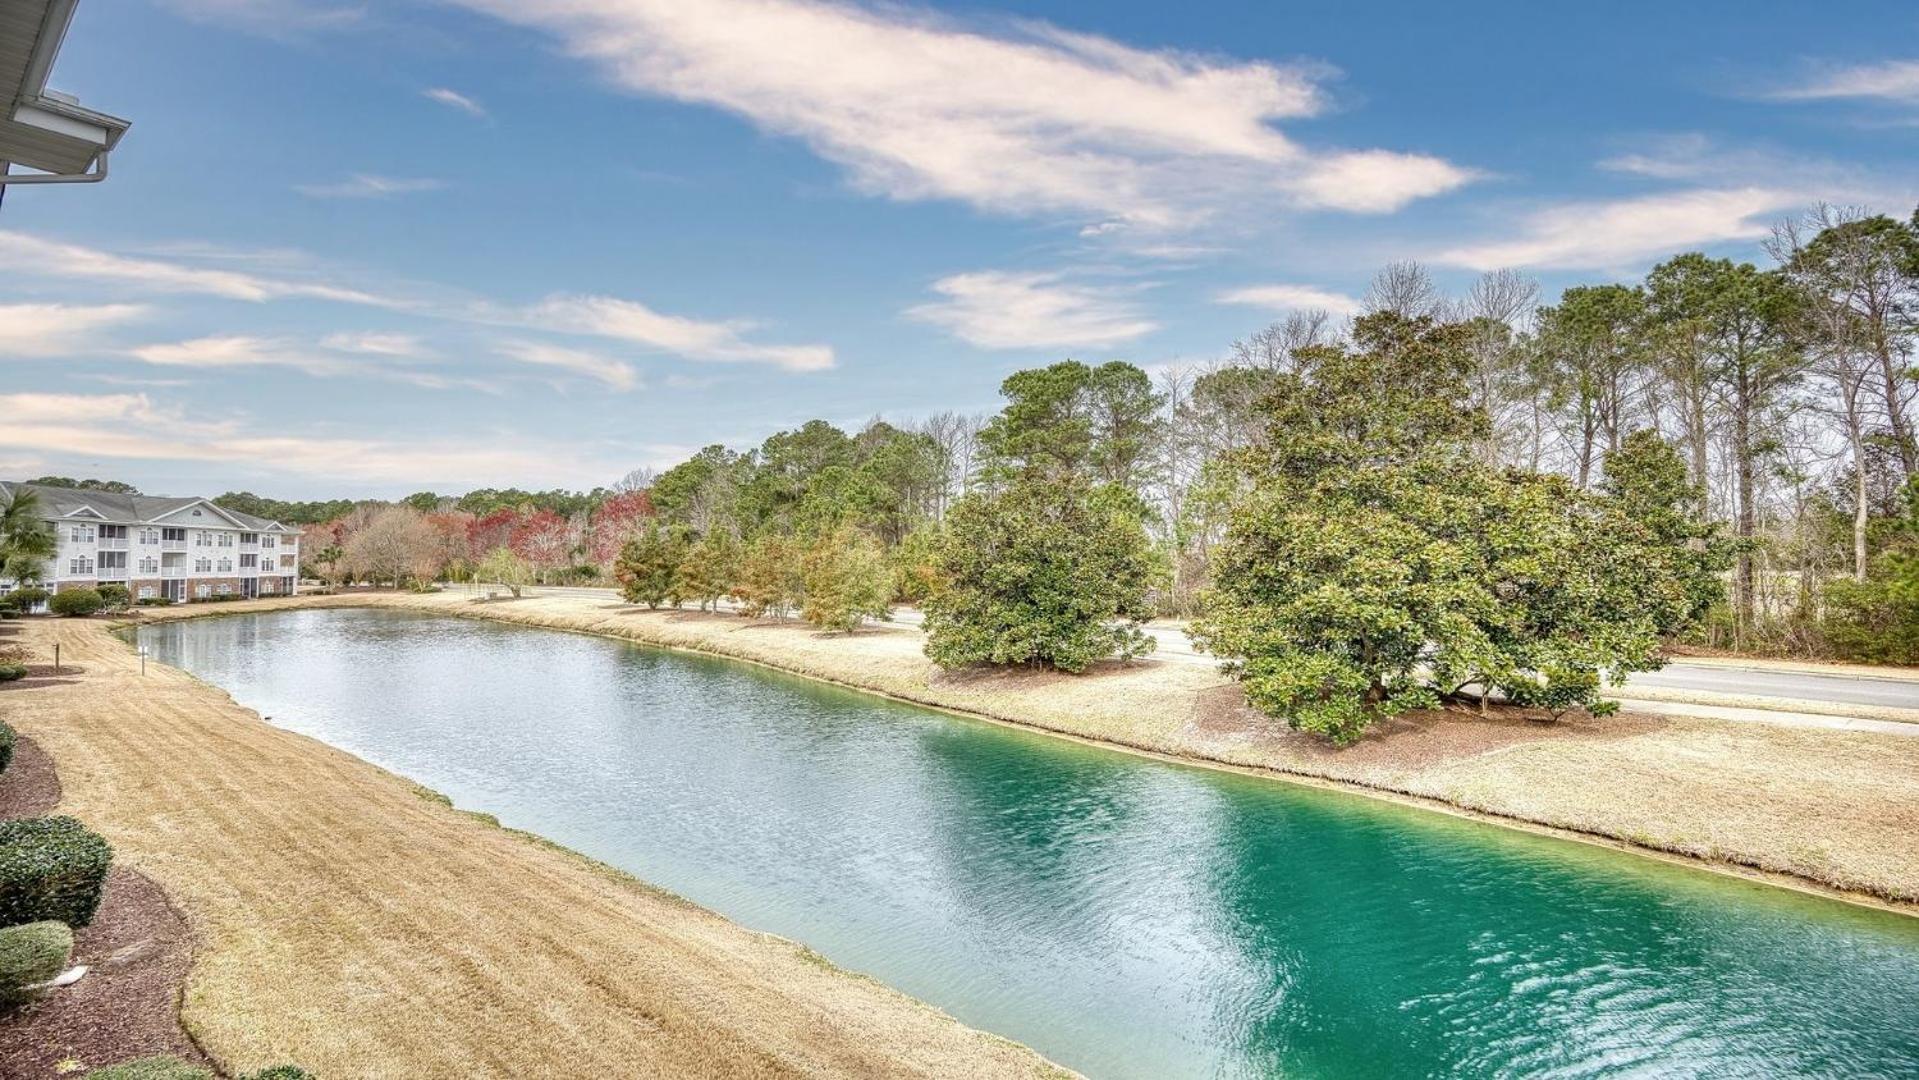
1834,809
346,922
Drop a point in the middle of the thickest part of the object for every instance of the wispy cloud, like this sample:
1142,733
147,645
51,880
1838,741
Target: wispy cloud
455,100
996,309
1621,234
133,427
1279,297
612,318
271,18
1894,81
617,374
638,324
50,258
369,186
377,343
324,362
1030,119
42,330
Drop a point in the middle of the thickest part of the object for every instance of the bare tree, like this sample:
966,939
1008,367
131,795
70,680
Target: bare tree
1404,288
396,543
638,479
1500,308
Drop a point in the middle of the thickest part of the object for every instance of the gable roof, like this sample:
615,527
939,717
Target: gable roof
61,502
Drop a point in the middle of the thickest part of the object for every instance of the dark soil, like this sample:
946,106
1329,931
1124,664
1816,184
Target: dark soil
136,950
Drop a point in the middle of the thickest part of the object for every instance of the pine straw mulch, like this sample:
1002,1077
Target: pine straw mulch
137,950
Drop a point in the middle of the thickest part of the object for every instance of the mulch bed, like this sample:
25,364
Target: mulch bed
137,950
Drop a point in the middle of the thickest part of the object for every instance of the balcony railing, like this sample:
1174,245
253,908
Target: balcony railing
113,543
173,545
173,571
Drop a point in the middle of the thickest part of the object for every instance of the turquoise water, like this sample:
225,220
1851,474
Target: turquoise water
1125,917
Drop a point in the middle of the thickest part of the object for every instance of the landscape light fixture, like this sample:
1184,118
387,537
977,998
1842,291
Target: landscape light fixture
41,129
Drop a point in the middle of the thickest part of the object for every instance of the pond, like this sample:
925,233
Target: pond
1125,917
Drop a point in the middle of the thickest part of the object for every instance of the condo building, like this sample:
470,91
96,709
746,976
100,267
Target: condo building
180,549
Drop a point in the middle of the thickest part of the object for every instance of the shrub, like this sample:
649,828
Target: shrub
847,580
7,740
31,954
114,596
10,672
24,598
51,868
1875,621
151,1068
154,601
74,602
279,1072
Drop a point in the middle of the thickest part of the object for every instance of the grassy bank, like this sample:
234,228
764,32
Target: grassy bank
342,919
1832,810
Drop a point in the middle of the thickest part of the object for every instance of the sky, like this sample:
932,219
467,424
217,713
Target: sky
368,248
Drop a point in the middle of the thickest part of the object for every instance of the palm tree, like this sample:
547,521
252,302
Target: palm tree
26,540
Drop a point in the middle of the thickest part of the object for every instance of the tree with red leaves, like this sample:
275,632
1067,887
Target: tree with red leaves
545,540
494,530
617,520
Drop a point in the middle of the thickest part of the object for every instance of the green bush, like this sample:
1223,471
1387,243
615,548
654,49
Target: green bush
29,955
154,601
115,596
279,1072
151,1068
22,599
51,868
10,672
1874,621
7,741
72,602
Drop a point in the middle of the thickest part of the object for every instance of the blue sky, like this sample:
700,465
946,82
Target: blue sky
367,248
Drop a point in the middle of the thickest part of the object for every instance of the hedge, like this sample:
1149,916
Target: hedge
172,1068
10,672
51,868
30,955
8,740
151,1068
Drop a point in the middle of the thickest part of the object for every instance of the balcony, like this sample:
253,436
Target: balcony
113,543
173,545
173,571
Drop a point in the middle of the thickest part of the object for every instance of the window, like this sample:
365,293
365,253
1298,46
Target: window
113,560
176,535
80,566
203,591
149,536
249,561
226,539
113,532
266,541
80,534
203,565
226,566
202,538
223,589
149,565
249,538
146,592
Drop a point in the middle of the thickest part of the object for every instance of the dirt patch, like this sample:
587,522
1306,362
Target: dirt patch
137,950
29,787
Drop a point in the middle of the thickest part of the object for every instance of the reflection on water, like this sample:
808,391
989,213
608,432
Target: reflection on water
1125,917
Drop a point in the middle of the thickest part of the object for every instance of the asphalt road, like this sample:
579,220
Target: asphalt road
1679,675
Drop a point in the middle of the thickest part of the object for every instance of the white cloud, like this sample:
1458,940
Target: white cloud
271,18
89,427
1894,80
1620,234
602,316
376,343
617,374
996,309
50,258
695,339
456,100
243,350
1291,298
369,186
1029,120
38,330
